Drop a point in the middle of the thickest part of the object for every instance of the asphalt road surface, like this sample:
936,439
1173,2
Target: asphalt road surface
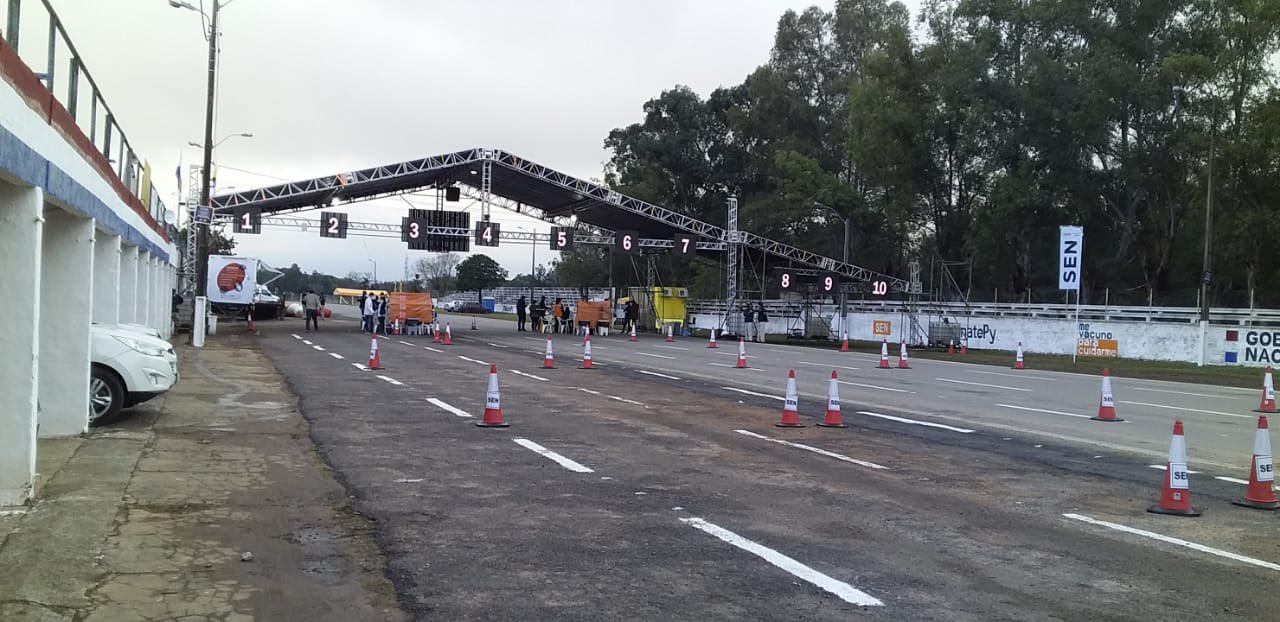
656,487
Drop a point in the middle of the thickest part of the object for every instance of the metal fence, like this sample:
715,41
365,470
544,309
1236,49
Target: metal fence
34,31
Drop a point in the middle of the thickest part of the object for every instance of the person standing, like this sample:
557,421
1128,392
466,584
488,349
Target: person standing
382,314
311,309
360,309
748,322
367,314
762,323
557,312
520,315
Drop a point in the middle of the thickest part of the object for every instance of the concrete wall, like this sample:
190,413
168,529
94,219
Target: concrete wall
66,304
106,278
21,234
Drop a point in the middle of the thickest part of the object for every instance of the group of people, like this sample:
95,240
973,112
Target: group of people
754,321
560,319
373,313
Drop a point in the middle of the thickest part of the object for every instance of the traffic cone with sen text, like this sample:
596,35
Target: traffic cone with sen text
435,332
790,407
586,353
964,348
902,356
1268,404
742,353
1017,361
492,403
1261,493
1107,404
833,419
374,361
1175,494
448,335
712,343
844,342
884,355
549,359
951,347
633,333
670,334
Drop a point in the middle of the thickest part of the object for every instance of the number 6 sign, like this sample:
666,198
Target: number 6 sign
627,242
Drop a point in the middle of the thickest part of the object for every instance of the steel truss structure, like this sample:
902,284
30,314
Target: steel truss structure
535,186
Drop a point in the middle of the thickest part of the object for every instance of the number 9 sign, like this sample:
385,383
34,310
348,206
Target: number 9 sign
830,283
627,242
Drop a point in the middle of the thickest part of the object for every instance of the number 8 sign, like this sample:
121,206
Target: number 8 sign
627,242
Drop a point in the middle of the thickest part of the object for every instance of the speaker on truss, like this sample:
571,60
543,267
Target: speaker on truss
453,193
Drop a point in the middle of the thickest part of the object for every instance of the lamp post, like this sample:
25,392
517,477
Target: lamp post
844,296
223,140
1206,275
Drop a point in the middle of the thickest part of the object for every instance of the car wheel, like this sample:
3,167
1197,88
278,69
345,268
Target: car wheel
106,396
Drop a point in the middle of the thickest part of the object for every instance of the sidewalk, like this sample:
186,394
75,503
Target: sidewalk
210,503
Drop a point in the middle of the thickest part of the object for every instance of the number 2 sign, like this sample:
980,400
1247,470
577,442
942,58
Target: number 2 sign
333,225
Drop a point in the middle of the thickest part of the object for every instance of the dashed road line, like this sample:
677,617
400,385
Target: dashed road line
553,456
746,392
1220,397
306,341
591,391
1190,410
405,342
520,373
1176,541
1236,480
654,373
433,349
336,355
657,356
981,384
874,386
296,336
1165,467
822,452
318,348
929,424
391,380
674,348
449,408
471,360
842,590
623,399
360,367
498,345
1042,410
826,365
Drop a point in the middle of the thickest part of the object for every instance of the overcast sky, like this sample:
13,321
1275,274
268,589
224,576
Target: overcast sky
336,85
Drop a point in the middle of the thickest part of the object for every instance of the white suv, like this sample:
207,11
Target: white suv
129,367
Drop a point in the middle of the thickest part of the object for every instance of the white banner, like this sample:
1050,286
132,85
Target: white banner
232,280
1070,256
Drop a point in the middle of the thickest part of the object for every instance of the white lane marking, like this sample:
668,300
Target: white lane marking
623,399
553,456
746,392
1190,410
471,360
587,391
979,384
734,367
296,336
673,347
657,356
1165,467
536,338
916,422
822,452
844,591
826,365
520,373
1022,376
1236,480
654,373
1042,410
306,342
407,480
360,367
318,348
391,380
336,355
498,345
1178,541
874,386
449,408
433,349
404,342
1220,397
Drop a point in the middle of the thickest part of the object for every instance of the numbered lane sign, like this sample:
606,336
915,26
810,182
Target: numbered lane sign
487,233
685,245
562,238
247,220
333,225
627,242
786,280
829,283
879,288
413,230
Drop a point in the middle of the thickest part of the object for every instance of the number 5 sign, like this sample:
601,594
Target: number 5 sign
627,242
562,238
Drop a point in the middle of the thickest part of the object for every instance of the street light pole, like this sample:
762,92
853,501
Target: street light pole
202,233
1205,276
844,295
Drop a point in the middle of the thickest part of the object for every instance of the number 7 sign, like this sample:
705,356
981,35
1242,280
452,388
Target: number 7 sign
686,245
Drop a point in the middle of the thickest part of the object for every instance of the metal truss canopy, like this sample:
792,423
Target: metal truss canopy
498,174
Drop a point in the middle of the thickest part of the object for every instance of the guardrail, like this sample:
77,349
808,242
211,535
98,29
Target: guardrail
63,77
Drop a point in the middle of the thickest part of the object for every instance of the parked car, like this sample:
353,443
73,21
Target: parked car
471,307
127,367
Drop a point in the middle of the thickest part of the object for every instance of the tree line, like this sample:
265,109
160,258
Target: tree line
970,131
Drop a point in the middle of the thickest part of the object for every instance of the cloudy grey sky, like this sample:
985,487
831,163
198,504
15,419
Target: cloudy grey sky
335,85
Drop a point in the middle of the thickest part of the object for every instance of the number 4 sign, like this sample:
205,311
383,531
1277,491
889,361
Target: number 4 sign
487,233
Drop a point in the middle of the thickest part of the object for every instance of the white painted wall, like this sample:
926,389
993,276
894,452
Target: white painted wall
106,278
21,234
66,302
128,283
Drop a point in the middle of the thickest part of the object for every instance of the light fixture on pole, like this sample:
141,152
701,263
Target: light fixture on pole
844,296
224,139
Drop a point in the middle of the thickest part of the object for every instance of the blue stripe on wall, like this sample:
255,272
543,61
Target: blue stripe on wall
21,161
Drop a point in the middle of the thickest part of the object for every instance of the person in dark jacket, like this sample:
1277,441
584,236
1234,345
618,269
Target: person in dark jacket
762,322
748,321
382,314
520,314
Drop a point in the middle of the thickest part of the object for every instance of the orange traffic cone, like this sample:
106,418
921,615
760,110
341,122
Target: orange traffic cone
742,353
395,327
492,403
1107,405
1268,404
586,353
448,335
549,359
633,333
670,335
248,327
1175,496
902,356
790,412
1017,361
1260,493
712,343
374,361
964,348
951,346
435,332
844,342
884,355
833,420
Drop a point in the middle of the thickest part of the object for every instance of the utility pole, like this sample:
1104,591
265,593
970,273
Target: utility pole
202,232
1206,276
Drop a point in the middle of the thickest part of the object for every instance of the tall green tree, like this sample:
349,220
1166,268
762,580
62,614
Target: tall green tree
480,272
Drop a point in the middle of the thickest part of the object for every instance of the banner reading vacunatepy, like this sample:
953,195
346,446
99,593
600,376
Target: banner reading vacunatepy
232,280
